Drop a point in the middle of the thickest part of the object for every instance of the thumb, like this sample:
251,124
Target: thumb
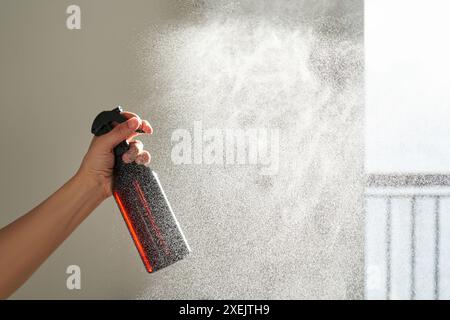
122,131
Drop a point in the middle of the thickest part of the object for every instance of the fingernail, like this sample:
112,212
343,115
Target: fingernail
133,123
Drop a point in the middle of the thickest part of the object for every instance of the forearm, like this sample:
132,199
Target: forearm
27,242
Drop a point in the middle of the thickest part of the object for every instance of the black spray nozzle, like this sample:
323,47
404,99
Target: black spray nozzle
104,123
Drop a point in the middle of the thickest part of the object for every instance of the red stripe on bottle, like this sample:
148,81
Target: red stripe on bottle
133,233
150,216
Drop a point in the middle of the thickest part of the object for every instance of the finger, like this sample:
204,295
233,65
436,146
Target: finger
145,126
143,158
123,131
135,149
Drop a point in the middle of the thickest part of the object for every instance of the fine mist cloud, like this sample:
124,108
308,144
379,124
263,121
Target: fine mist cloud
291,66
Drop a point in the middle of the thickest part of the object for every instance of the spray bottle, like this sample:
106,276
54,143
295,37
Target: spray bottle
143,204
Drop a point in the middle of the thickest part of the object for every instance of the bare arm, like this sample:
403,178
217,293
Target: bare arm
27,242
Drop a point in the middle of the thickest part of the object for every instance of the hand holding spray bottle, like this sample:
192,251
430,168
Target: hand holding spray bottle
143,204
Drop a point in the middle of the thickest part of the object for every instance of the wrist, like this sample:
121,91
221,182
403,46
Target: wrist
93,187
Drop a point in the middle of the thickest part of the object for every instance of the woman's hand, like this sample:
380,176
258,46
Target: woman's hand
43,229
98,163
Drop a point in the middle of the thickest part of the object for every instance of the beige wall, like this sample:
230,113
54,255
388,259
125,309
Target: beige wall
54,81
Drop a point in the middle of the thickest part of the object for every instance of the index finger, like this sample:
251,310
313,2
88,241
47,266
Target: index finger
145,125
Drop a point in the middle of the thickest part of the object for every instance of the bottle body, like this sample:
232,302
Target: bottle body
148,216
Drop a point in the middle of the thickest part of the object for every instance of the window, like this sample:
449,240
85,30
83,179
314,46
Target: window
407,149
